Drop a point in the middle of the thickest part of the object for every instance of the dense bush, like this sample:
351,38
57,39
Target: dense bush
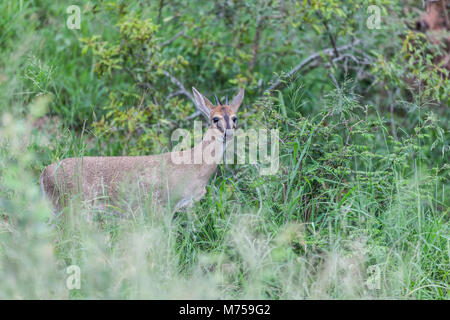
358,208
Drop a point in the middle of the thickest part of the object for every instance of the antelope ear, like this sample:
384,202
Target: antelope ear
237,100
202,103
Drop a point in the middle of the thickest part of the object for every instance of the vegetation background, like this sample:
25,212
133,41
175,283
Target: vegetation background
358,209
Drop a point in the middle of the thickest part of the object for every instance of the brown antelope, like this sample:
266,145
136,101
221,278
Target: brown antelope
156,175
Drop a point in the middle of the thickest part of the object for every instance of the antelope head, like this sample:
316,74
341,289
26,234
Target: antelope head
222,117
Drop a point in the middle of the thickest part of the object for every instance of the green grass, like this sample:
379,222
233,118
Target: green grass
352,213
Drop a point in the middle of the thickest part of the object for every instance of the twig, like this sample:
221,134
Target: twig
179,34
179,85
345,56
182,91
305,62
194,115
255,49
174,94
333,41
161,5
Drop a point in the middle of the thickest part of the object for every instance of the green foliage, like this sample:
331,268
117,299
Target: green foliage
415,68
363,185
138,54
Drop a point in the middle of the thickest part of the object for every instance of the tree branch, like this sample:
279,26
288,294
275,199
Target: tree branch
179,85
255,49
307,61
182,91
175,37
161,5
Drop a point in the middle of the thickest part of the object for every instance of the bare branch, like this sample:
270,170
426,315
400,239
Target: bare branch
179,85
194,115
332,39
175,37
182,91
174,94
307,61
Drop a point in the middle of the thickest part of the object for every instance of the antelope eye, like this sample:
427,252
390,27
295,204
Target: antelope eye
215,119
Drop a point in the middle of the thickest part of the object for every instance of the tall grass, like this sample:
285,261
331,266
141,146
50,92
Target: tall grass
352,213
353,239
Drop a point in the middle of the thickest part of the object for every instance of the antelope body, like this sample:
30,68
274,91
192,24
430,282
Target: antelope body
95,178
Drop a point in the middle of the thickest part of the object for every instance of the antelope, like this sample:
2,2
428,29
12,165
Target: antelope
158,175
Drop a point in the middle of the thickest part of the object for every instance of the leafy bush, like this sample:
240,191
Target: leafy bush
357,209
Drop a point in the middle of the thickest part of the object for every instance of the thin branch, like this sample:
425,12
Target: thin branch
175,37
174,94
194,115
333,41
182,91
179,85
307,61
255,49
161,5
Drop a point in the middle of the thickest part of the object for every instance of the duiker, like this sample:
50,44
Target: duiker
168,182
